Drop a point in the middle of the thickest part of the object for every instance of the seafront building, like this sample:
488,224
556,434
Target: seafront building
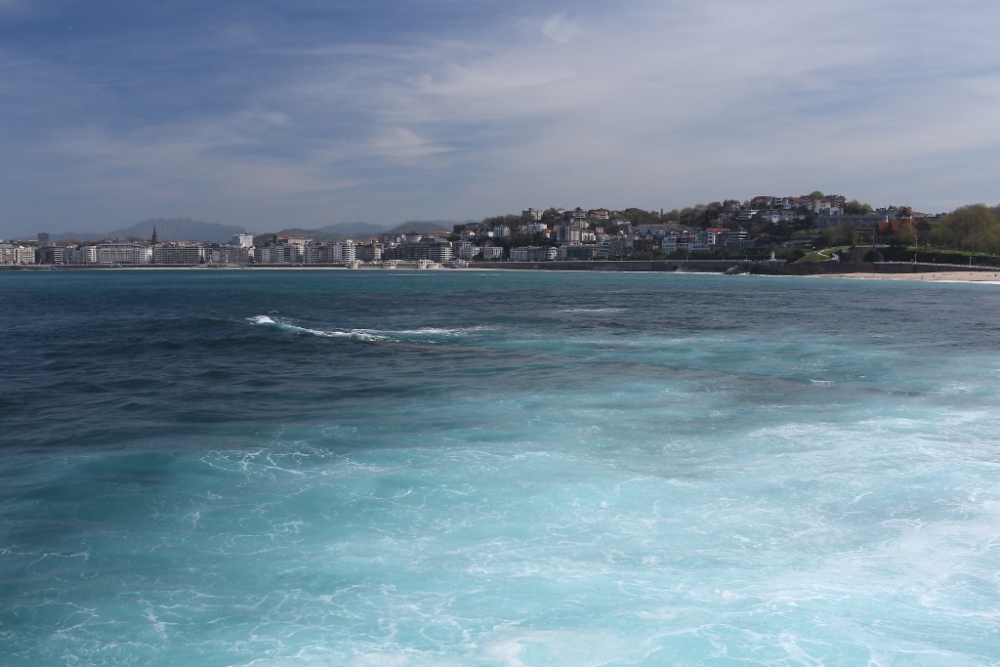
11,254
534,236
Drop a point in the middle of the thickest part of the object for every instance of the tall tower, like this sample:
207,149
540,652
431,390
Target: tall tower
154,234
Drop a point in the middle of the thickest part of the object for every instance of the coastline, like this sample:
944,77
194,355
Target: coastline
934,276
914,272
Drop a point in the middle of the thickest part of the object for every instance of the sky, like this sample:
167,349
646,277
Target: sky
304,113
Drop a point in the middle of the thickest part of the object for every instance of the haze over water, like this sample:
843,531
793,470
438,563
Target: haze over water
491,468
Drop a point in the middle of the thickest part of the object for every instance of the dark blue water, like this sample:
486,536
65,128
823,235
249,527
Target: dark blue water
491,468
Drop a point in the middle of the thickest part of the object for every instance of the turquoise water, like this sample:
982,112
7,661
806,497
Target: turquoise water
489,468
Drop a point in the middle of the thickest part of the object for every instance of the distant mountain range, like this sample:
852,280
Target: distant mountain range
177,229
356,230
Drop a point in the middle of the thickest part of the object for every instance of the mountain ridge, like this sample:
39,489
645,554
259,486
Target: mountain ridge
180,229
167,229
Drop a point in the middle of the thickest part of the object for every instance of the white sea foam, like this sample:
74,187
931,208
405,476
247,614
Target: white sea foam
594,311
369,335
354,334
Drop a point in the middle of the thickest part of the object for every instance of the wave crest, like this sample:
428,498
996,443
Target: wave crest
355,334
364,335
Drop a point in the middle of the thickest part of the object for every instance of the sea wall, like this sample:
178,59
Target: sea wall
684,266
822,268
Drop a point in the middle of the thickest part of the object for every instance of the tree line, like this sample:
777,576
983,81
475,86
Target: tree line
975,227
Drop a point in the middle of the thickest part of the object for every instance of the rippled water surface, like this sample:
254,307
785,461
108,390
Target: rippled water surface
492,468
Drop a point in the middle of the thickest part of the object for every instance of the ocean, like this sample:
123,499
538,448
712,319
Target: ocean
366,468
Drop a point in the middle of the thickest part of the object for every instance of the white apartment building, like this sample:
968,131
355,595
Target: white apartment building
114,254
242,240
467,250
492,252
533,254
344,252
11,254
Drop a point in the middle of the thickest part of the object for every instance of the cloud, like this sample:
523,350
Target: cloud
404,145
560,29
238,35
665,105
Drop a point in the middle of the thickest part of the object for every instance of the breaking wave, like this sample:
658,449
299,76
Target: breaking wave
364,335
353,334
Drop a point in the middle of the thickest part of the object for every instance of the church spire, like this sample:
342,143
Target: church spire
154,234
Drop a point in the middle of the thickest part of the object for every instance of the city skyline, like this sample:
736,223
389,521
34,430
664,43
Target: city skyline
256,114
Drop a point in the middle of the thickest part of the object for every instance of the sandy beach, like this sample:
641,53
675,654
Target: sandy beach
938,276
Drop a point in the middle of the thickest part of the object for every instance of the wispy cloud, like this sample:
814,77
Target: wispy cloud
639,103
559,28
403,145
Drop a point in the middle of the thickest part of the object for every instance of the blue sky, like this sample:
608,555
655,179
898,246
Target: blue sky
307,113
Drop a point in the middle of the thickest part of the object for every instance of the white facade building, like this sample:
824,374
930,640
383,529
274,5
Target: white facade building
113,254
533,254
343,252
11,254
